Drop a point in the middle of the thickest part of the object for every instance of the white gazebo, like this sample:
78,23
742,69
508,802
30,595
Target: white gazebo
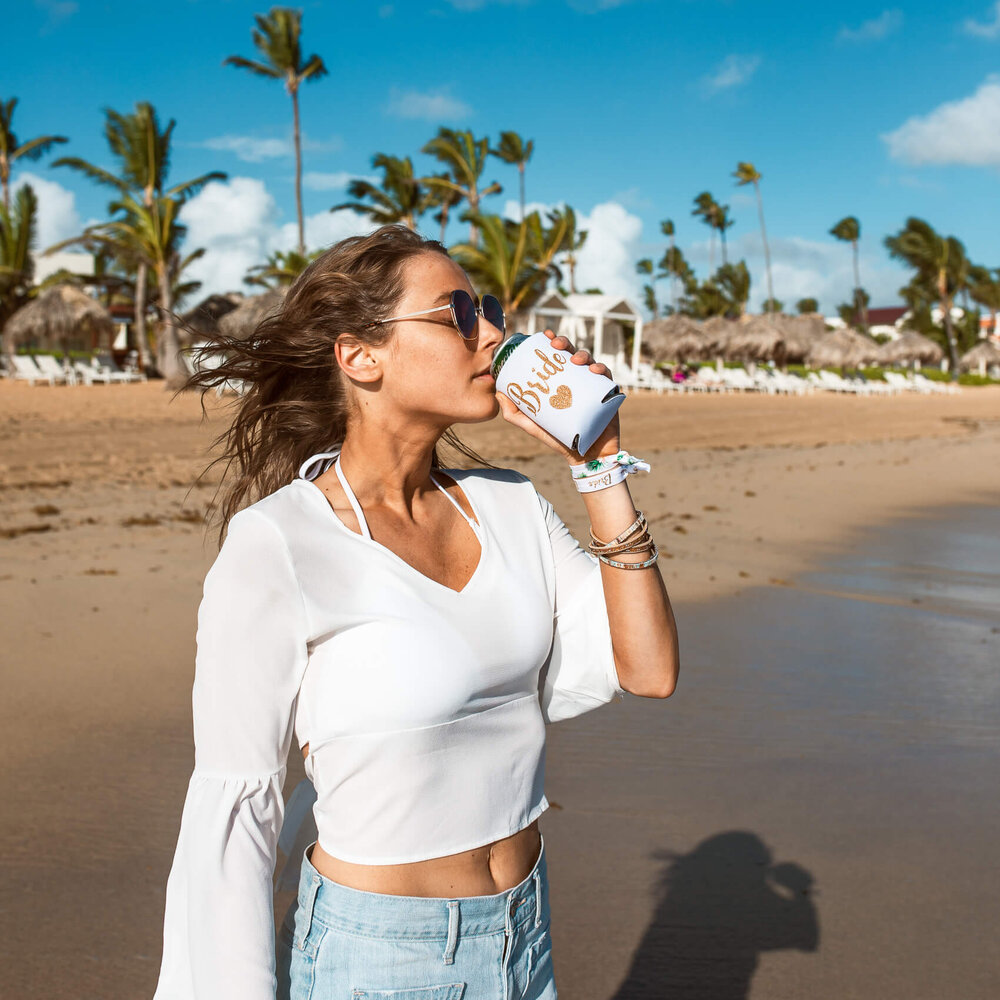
591,320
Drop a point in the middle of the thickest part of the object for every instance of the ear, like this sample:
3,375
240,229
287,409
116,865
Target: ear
357,359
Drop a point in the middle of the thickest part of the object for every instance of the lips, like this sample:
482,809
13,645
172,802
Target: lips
485,371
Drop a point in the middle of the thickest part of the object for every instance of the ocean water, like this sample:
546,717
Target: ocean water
816,810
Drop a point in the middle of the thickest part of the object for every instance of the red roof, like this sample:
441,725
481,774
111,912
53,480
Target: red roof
885,316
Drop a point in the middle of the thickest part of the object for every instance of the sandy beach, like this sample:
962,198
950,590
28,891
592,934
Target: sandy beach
102,556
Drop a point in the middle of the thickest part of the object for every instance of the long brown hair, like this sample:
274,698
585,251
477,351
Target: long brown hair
294,401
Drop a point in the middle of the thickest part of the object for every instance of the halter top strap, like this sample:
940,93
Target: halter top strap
317,464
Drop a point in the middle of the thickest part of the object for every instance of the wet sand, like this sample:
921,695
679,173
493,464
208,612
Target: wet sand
101,563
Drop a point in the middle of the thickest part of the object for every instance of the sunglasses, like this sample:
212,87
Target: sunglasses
464,313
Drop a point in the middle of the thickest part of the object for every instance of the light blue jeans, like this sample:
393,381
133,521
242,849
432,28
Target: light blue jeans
339,943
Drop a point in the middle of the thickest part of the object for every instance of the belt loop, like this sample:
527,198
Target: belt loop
538,898
449,948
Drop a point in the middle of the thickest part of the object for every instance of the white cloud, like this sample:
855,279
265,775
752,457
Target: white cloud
238,223
256,149
872,30
802,268
733,71
430,106
964,132
607,258
58,218
984,29
336,181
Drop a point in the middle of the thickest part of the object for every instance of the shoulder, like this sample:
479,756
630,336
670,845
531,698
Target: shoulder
273,517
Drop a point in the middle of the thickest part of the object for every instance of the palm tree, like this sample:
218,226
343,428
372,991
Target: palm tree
277,38
11,149
645,267
142,151
940,264
514,150
444,199
747,173
17,243
399,199
733,280
667,228
707,209
984,287
771,305
281,269
808,305
465,158
849,230
511,262
573,240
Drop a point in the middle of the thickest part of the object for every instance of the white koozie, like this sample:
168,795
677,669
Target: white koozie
568,400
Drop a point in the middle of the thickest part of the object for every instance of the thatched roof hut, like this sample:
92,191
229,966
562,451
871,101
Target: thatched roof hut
57,315
756,339
910,346
844,348
718,332
800,333
675,338
243,320
983,356
203,319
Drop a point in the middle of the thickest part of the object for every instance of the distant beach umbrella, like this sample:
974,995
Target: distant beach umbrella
982,357
844,348
676,338
58,314
800,333
203,319
908,347
756,339
243,320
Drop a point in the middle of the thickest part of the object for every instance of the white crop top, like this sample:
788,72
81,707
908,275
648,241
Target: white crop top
424,707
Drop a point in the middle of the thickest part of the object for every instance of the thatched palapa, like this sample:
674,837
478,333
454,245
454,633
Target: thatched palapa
800,333
675,338
244,319
756,339
57,315
203,319
908,347
844,348
718,332
981,358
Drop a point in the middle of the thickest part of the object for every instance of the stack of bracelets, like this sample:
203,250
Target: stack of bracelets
600,474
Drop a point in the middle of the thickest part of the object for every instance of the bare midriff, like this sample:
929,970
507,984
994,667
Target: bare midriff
482,871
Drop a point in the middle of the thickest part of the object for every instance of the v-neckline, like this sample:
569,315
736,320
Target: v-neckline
482,535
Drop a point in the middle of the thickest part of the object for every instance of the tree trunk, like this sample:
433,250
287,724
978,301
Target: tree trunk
298,170
520,168
857,286
168,346
5,180
763,236
722,237
949,330
571,260
141,337
444,219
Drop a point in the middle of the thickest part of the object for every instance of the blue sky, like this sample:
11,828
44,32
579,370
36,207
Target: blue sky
635,106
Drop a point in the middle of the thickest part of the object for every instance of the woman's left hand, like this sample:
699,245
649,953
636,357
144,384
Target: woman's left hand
608,441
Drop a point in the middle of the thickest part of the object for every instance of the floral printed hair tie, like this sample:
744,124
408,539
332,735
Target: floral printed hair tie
599,465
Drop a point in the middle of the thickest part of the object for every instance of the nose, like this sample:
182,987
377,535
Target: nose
489,335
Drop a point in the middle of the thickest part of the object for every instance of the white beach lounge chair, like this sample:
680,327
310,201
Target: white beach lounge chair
48,364
25,370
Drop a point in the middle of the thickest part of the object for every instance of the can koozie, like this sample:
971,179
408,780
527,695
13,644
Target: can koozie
568,400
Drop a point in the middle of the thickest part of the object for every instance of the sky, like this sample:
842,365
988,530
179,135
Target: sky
634,107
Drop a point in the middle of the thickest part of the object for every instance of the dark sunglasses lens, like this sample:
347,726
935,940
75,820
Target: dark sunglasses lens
493,312
465,312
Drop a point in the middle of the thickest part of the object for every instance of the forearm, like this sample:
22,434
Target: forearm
643,630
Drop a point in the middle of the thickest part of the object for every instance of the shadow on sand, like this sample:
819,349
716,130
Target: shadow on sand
719,907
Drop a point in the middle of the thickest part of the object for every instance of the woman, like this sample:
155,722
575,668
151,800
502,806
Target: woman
413,628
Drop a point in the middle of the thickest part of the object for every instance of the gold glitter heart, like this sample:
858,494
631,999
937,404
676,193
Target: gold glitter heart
561,398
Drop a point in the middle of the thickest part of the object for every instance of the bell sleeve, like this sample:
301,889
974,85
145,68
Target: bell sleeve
579,674
218,931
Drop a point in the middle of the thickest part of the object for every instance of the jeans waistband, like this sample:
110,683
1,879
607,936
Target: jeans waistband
382,915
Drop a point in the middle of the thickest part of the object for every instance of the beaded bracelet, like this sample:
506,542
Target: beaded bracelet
639,523
627,565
